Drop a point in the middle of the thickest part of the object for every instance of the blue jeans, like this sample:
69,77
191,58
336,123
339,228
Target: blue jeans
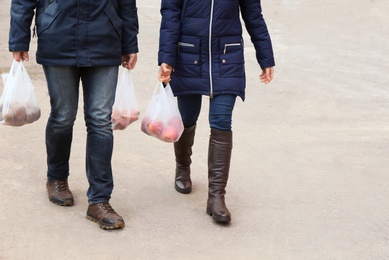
99,86
220,110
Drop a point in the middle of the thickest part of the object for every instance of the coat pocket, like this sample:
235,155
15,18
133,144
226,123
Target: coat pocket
46,16
188,62
231,56
114,18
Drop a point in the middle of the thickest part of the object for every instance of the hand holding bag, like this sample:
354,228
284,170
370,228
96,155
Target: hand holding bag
162,118
125,109
18,103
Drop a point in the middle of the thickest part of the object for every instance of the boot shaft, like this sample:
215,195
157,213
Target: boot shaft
183,147
219,158
183,151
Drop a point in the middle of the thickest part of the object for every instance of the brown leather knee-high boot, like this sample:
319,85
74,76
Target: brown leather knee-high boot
219,157
183,151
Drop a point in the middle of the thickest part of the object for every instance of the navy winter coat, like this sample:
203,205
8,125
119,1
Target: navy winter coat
76,32
203,42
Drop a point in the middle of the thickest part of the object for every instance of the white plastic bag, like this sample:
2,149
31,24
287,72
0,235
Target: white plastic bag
125,109
162,118
19,104
4,76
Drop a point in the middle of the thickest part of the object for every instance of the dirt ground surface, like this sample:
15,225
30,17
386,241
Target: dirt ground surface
310,167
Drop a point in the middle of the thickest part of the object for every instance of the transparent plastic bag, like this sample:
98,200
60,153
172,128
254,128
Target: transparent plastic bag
125,110
4,77
18,103
162,118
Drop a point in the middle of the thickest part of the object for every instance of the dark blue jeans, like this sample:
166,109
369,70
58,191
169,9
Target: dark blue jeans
99,86
220,110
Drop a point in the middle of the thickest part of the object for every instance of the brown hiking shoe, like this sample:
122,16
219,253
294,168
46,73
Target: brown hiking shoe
59,193
105,216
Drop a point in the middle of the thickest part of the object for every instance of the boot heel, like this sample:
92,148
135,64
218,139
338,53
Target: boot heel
209,211
223,216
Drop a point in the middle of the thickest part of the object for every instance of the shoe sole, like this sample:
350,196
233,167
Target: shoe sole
65,203
183,191
117,225
224,220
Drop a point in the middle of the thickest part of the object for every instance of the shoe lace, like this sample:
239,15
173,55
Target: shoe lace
107,207
62,185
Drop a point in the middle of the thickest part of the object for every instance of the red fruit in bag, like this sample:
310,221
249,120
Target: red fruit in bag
175,122
116,115
155,128
33,115
133,118
143,126
170,134
134,115
135,112
16,115
124,122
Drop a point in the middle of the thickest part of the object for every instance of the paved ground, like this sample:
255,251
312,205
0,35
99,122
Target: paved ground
309,175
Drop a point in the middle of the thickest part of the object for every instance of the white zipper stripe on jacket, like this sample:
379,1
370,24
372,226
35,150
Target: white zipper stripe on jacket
210,50
229,45
186,44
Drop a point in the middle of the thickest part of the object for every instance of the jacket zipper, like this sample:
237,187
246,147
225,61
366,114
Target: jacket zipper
229,45
185,44
210,50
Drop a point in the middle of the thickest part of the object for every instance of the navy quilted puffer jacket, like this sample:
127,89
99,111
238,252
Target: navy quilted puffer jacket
202,40
76,32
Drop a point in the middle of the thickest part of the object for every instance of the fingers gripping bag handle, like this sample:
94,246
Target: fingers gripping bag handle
125,109
162,119
19,103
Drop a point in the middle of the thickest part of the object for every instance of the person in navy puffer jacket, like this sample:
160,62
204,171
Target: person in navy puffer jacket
79,41
201,53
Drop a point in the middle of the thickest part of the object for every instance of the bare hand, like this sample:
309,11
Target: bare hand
129,60
165,70
267,75
20,55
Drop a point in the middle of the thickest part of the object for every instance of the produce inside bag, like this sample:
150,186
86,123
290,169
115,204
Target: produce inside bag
125,109
162,119
18,103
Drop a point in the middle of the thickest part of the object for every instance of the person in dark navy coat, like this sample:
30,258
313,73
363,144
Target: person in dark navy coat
201,52
79,41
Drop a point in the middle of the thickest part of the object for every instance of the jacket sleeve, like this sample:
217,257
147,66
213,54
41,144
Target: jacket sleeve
128,12
256,27
22,13
169,31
